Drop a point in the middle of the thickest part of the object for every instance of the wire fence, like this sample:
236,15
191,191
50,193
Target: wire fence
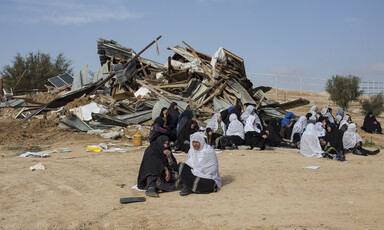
287,87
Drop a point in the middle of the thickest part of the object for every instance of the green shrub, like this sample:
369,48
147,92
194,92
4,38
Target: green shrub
374,104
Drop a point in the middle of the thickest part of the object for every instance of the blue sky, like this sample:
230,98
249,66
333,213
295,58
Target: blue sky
295,37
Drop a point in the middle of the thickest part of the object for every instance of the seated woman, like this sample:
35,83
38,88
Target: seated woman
200,172
159,126
234,134
339,116
215,129
327,114
344,123
371,125
183,139
334,137
287,125
254,137
353,143
158,169
309,144
298,129
320,127
315,112
250,111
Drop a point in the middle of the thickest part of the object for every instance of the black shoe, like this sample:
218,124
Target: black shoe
185,191
374,152
151,191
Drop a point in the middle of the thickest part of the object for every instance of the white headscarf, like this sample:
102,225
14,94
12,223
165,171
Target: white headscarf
313,109
214,124
327,114
309,144
235,127
351,137
344,121
299,126
250,125
203,162
250,111
319,129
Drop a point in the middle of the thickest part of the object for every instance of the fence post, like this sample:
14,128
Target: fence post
1,87
301,83
277,76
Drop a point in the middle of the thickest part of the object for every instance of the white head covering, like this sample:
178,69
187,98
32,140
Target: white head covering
214,124
203,162
338,118
344,121
327,114
250,125
319,129
309,144
299,126
235,127
351,137
314,116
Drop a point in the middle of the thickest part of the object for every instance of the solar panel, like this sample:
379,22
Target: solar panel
61,80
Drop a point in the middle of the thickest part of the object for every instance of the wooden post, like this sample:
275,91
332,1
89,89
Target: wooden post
21,77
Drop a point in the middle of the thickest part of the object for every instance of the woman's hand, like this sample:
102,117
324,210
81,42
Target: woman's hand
168,155
167,174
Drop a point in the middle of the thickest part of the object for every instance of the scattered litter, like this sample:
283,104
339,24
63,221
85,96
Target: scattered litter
112,150
218,152
94,148
127,200
63,150
312,167
34,154
142,147
135,187
38,166
178,154
111,135
128,145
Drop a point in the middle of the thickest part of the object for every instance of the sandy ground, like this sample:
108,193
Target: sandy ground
261,189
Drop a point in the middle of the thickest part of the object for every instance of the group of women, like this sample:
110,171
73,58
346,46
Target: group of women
318,134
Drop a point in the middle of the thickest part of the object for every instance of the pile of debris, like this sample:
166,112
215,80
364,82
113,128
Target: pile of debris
129,90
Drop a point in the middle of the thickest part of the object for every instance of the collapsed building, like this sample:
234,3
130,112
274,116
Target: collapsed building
130,89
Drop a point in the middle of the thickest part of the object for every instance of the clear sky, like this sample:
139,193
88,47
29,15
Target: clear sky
312,38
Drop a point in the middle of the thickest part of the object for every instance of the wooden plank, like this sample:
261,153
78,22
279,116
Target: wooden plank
217,92
205,68
209,89
132,59
21,77
173,86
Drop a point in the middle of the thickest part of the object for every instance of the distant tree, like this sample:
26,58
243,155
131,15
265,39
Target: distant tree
343,89
38,68
374,104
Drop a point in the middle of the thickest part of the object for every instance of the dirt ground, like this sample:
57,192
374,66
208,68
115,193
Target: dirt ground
261,189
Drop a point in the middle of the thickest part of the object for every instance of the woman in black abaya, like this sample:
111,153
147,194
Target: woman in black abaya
371,125
158,169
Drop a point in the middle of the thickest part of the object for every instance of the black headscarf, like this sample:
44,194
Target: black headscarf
160,119
173,115
334,137
185,132
154,161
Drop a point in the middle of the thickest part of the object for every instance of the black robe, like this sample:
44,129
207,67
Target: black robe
154,161
173,115
274,138
335,137
184,135
369,125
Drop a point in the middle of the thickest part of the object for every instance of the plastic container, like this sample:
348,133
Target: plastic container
137,139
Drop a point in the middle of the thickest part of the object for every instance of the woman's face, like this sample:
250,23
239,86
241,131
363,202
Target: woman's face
165,111
175,106
192,125
166,144
371,115
219,119
196,145
329,129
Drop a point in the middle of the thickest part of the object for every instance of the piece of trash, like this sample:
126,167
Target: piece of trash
63,150
127,200
142,147
312,167
135,187
230,154
218,152
112,150
67,157
34,154
38,166
128,145
178,154
94,148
